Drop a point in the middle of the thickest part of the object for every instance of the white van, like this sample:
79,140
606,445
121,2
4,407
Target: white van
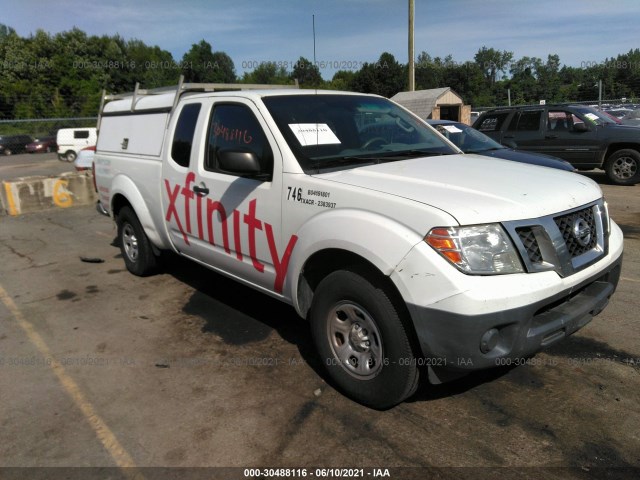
71,140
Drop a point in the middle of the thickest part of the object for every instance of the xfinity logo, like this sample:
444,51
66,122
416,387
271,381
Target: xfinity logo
582,231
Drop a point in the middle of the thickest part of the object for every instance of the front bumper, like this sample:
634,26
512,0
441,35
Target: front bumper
455,341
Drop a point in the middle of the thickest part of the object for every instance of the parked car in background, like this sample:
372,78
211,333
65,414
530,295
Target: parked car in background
72,140
632,119
43,145
10,144
470,140
84,161
581,135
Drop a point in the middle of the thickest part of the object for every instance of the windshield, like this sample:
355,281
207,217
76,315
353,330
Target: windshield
467,139
342,131
595,116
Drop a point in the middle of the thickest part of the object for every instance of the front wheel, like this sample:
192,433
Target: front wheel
134,244
623,167
362,340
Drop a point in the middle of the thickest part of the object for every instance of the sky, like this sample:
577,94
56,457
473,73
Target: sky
347,32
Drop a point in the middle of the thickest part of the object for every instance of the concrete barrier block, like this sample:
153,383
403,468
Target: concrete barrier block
33,194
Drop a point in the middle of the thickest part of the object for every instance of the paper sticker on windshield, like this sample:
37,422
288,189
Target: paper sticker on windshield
451,128
313,134
591,116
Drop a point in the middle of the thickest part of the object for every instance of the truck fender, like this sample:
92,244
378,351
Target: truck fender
122,185
349,230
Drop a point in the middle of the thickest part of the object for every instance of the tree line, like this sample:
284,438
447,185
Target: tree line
63,75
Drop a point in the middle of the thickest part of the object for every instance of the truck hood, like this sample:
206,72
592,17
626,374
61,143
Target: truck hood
475,189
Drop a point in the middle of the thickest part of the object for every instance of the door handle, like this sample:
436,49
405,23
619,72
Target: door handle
201,190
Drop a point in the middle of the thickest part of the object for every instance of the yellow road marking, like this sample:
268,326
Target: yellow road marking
12,204
629,279
102,431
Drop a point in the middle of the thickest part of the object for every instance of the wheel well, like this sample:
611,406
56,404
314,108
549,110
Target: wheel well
613,148
117,203
324,262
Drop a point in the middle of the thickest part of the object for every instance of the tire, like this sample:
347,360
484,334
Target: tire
134,244
362,340
623,167
7,152
70,156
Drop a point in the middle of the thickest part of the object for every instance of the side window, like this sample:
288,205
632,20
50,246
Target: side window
81,134
234,127
559,121
183,137
493,123
526,121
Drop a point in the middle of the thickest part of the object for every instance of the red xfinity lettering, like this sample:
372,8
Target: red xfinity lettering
254,224
171,210
215,211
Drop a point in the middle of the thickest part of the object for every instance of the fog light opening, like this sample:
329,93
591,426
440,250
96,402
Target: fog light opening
489,340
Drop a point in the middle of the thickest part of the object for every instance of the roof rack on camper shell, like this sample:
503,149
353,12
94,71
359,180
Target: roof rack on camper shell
181,89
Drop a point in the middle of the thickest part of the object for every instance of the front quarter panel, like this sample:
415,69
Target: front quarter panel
379,228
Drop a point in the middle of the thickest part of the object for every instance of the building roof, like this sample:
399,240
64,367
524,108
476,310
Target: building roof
421,102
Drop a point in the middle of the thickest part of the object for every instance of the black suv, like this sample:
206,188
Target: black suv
14,144
581,135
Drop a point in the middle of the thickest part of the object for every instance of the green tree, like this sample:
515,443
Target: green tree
492,61
267,73
341,80
429,72
307,74
202,65
386,77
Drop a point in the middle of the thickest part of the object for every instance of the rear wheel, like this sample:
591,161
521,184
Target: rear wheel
623,167
134,244
70,156
362,340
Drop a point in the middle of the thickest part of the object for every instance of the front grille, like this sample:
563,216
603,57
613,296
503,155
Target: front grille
565,242
567,225
530,244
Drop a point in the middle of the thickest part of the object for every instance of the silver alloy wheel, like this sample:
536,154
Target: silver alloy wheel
625,167
130,242
355,340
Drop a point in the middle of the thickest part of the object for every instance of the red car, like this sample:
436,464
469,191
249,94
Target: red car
43,145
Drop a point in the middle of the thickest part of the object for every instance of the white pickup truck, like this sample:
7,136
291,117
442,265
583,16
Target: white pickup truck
404,255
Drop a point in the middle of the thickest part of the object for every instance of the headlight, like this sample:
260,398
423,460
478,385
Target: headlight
480,249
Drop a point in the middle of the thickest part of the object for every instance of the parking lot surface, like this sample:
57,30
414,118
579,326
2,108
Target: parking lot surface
99,368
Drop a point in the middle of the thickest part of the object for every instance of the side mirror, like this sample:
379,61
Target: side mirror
239,162
580,127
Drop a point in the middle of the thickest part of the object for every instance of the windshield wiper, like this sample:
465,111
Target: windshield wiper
492,149
375,159
415,153
340,161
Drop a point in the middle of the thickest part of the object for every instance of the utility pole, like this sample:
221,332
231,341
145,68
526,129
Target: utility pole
412,64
